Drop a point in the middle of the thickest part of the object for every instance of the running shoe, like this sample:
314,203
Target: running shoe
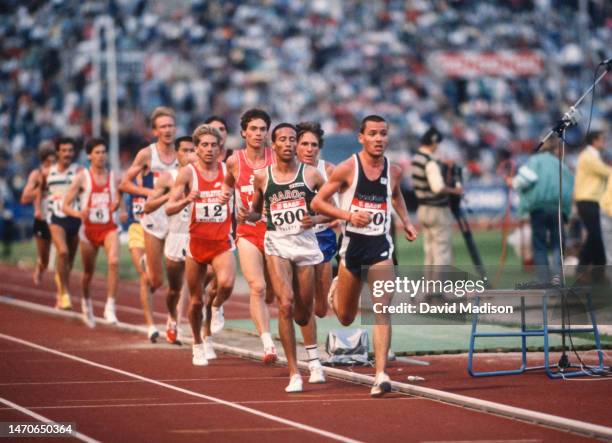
171,331
64,302
270,355
87,313
382,385
209,350
109,312
295,384
217,320
153,334
199,355
317,375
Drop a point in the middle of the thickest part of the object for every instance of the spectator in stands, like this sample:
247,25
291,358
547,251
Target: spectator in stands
591,178
537,182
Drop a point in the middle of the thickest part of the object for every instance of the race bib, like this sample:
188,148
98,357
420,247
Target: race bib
287,215
56,206
99,216
138,204
210,212
378,215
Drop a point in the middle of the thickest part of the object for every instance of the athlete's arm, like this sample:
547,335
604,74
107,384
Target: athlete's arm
71,194
139,166
160,193
253,213
397,199
32,188
178,199
229,181
339,180
314,180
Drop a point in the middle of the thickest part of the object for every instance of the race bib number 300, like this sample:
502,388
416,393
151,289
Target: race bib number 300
378,215
287,215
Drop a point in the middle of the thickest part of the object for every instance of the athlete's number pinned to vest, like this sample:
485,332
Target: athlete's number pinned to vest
99,215
378,214
287,216
210,212
138,205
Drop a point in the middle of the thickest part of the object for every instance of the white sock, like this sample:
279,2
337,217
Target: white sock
267,341
208,340
110,302
313,352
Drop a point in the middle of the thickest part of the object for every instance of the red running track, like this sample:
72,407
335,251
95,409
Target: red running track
122,389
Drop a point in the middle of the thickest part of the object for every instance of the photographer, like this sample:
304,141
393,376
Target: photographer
433,193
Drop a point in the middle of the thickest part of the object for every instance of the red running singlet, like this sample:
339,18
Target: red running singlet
253,232
211,221
99,201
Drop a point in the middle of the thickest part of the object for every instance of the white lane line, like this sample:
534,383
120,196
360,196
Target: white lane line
458,400
43,419
105,382
271,417
210,403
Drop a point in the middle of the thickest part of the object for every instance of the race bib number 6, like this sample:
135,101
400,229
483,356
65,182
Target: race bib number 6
99,215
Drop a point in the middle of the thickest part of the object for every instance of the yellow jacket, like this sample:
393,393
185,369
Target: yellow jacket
591,175
605,203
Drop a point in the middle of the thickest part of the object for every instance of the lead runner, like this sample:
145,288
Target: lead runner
368,185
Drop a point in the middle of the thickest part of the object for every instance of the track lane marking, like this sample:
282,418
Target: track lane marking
239,407
44,419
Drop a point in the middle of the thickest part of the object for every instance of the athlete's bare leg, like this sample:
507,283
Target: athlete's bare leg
323,280
88,259
346,297
194,276
224,267
281,280
382,327
62,266
146,296
175,271
154,251
252,265
43,248
111,247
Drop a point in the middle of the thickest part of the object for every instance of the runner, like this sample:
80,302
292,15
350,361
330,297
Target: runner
366,180
220,125
150,163
99,201
241,167
64,228
136,246
285,190
214,313
199,186
34,193
309,144
178,234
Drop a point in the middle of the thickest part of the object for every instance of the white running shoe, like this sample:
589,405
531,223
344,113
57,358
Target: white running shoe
295,384
153,334
209,350
317,375
87,313
382,385
109,312
199,355
217,320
